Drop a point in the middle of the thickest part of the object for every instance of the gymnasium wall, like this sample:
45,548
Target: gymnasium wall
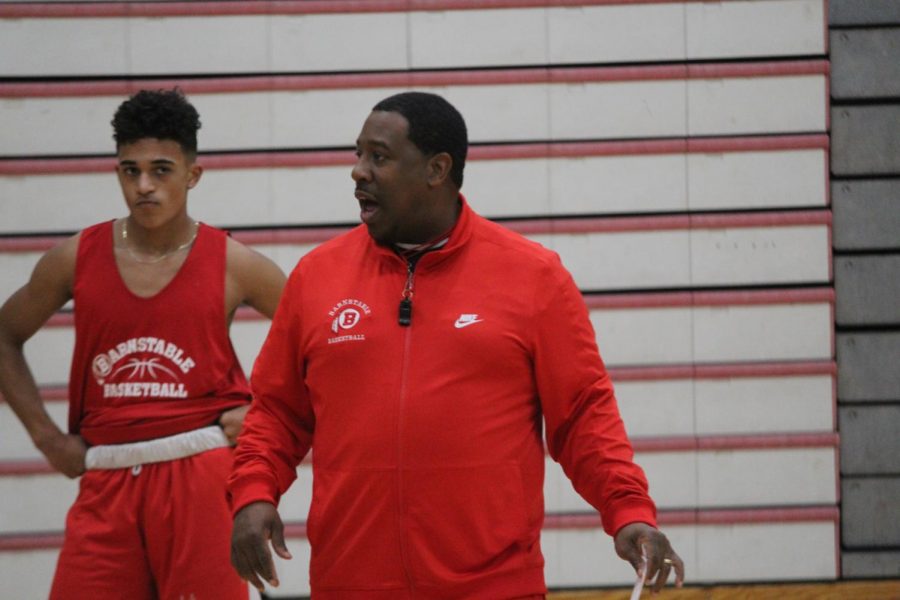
675,154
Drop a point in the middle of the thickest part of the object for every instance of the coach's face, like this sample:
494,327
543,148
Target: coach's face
155,176
392,181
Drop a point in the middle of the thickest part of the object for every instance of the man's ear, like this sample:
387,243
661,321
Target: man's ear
439,167
195,171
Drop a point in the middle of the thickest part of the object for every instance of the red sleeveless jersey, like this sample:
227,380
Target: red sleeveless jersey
145,368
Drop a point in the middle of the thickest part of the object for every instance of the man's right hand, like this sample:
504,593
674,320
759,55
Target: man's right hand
65,453
255,526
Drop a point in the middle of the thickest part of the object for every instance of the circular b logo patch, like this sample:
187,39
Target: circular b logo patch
348,318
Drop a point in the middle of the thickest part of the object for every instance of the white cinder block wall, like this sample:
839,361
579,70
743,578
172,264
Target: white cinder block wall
673,152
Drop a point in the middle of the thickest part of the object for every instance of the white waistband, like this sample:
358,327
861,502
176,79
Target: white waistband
173,447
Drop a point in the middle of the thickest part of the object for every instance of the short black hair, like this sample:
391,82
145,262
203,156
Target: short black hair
434,126
160,114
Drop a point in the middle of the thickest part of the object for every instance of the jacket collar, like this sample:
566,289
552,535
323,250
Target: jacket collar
459,236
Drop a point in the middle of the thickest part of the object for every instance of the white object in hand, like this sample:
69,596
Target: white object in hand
639,584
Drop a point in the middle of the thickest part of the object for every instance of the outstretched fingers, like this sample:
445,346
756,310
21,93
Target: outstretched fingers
250,562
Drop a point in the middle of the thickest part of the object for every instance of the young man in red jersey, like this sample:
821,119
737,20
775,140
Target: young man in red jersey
424,375
156,393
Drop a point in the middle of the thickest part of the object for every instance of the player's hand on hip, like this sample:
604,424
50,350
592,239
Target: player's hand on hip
649,550
65,453
231,422
255,526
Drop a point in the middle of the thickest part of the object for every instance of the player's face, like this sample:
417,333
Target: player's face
155,176
391,176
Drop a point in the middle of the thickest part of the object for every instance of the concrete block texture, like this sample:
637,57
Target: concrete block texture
863,12
867,366
866,214
870,512
870,441
865,63
867,289
865,140
865,565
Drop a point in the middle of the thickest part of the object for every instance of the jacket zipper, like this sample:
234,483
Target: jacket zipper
405,320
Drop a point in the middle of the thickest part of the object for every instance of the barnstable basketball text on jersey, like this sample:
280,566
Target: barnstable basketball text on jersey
127,371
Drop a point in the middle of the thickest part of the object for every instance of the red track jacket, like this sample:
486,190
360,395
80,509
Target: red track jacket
429,464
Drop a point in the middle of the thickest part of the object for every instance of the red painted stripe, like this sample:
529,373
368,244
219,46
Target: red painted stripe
288,236
736,442
261,237
595,225
800,296
761,219
38,466
758,143
49,393
295,530
279,7
658,223
769,515
67,319
611,74
536,227
53,166
30,541
488,4
281,83
616,301
56,166
55,392
245,313
723,371
720,298
709,517
619,374
703,71
661,223
831,514
758,69
61,319
280,160
40,243
10,468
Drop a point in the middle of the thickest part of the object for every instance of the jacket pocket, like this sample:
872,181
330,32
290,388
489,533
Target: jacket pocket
467,522
352,530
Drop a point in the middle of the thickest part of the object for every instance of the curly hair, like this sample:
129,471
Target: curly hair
434,126
161,114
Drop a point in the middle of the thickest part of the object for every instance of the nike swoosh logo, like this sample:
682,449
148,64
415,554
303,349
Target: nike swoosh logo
460,324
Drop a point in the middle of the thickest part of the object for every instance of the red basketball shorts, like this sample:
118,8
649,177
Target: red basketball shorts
155,531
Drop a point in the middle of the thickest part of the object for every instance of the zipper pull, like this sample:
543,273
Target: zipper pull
405,311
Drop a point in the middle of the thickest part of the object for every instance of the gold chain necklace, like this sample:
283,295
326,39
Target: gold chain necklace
161,256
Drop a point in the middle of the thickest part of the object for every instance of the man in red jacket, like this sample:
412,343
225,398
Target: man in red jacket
420,354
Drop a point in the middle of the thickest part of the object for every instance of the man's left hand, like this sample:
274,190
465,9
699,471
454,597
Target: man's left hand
636,540
231,421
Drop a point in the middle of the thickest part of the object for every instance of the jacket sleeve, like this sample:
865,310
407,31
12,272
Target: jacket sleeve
277,431
585,433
